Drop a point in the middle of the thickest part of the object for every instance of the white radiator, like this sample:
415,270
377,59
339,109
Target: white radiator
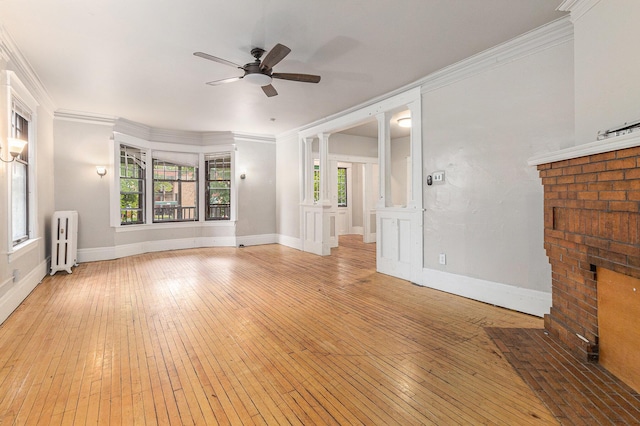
64,241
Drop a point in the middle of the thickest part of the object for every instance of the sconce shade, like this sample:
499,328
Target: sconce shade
101,170
16,146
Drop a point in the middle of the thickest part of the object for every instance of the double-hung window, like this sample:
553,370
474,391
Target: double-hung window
132,185
20,119
218,181
175,191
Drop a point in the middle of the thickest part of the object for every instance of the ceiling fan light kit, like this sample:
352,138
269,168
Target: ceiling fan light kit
258,79
260,73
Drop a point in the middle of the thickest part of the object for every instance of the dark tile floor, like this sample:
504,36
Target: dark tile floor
576,392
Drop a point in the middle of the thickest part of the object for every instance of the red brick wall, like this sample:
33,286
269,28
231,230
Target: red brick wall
591,219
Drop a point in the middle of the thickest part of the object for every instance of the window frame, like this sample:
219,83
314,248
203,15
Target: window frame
18,98
141,209
208,182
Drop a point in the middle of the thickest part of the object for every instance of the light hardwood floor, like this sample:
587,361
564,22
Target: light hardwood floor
258,335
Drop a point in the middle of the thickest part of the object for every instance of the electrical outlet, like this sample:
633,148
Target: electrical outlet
438,177
443,259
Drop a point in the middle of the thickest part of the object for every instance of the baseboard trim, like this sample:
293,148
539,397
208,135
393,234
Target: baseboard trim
519,299
15,295
124,250
292,242
257,240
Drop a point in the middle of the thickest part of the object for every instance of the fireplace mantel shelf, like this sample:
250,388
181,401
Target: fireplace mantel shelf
629,140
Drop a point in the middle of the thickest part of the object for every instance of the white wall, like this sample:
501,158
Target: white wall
79,148
607,67
288,187
488,215
256,193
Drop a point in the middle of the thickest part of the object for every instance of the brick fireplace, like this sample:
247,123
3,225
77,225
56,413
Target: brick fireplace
591,221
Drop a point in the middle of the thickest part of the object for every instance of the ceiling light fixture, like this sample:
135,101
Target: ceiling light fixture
15,148
404,122
258,79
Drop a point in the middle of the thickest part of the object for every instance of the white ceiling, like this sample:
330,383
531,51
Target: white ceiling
134,58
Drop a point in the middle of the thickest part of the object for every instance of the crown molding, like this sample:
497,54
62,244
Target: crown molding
542,38
577,7
552,34
16,62
84,117
252,137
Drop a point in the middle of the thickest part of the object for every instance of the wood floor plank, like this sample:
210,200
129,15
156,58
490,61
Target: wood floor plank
257,335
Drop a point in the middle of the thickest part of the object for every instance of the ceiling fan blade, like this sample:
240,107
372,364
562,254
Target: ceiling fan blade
223,81
274,56
269,90
216,59
304,78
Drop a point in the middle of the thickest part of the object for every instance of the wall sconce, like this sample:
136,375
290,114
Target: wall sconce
404,122
15,148
101,171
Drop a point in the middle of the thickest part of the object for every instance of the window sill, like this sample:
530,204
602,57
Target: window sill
176,225
21,249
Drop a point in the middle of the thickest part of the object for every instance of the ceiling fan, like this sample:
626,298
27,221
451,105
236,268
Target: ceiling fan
261,72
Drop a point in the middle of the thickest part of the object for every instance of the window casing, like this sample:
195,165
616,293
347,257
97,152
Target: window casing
20,119
218,186
175,192
132,185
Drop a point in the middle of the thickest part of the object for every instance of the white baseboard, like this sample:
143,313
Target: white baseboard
359,230
115,252
257,240
16,294
292,242
531,302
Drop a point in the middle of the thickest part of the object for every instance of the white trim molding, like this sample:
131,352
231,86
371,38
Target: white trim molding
630,140
19,63
519,299
15,295
577,7
291,242
124,250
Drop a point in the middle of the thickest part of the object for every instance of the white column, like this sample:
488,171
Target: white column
416,156
324,168
384,159
307,144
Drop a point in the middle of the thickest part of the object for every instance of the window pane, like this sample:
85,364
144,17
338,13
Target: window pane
218,187
20,180
175,192
132,166
19,204
342,187
316,183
